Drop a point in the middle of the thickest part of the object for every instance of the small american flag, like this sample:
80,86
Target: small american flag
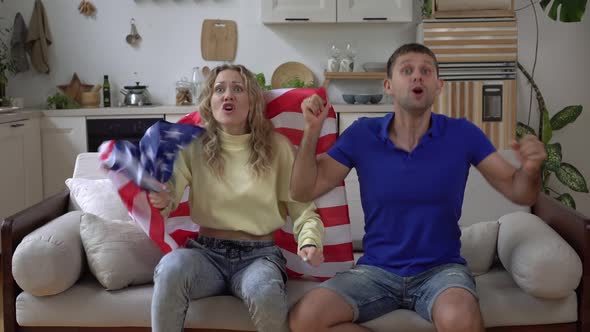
136,170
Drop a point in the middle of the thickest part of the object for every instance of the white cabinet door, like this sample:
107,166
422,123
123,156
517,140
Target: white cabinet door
374,11
20,169
63,138
353,195
293,11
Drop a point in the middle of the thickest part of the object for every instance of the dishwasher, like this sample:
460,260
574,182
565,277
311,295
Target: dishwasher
100,129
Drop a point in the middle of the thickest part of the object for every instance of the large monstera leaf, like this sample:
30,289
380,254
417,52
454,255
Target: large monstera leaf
569,10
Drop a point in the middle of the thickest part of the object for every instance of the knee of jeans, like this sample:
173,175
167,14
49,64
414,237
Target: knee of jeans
269,296
171,267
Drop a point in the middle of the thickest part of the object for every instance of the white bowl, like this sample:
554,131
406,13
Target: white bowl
380,67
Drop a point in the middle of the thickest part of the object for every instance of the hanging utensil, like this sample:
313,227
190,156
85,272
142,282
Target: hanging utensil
133,37
86,8
206,71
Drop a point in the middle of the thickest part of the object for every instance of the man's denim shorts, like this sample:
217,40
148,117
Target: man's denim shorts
373,292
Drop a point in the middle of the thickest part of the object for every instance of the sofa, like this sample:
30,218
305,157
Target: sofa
532,268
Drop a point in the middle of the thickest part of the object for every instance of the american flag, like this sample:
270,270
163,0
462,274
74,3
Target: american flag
135,170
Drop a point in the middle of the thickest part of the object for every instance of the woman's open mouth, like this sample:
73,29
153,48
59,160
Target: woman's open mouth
228,108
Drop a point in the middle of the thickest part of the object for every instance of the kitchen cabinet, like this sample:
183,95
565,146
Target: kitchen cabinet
376,11
63,138
20,169
336,11
298,11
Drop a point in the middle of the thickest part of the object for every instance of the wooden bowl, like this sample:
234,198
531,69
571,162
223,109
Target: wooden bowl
90,99
288,71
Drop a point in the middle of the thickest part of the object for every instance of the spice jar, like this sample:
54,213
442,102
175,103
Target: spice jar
184,92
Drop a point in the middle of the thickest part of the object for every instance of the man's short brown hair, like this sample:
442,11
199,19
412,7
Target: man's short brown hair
410,48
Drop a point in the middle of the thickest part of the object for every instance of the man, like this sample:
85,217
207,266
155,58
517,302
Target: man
412,167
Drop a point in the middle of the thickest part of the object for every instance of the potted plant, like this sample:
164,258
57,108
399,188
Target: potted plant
566,173
60,101
7,66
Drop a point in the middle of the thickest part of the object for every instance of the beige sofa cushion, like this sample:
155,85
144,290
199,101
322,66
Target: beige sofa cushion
540,261
97,196
502,302
478,245
50,259
119,253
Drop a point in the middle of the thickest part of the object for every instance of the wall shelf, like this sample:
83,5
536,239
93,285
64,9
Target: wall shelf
329,75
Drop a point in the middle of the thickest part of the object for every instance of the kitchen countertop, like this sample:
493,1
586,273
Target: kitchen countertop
156,110
376,108
122,111
19,115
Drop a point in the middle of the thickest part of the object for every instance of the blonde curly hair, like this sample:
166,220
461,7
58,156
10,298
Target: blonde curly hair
259,125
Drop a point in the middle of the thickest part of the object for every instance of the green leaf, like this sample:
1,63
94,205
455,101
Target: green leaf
522,130
565,116
569,10
261,79
553,161
571,177
568,200
547,132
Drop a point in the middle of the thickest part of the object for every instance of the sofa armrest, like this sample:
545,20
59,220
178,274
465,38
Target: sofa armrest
574,228
13,230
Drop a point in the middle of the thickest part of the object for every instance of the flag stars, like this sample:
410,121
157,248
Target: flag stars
173,134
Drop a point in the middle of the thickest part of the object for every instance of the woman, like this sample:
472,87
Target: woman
238,172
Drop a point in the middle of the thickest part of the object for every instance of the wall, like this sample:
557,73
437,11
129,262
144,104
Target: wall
171,33
562,74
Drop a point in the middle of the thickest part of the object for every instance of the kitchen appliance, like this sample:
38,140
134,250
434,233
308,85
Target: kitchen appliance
136,95
472,8
477,61
132,129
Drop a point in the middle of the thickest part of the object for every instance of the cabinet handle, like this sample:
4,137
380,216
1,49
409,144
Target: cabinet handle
16,125
375,18
296,19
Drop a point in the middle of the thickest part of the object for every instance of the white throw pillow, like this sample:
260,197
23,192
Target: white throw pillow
50,259
119,253
98,197
541,262
478,245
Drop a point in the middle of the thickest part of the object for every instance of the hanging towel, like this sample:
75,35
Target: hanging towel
39,38
18,53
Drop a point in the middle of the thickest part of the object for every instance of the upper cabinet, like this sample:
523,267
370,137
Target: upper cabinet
332,11
293,11
377,11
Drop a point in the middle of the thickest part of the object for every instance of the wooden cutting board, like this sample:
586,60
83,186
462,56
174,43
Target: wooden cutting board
219,39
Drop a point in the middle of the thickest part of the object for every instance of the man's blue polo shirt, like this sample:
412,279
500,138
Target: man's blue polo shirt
412,201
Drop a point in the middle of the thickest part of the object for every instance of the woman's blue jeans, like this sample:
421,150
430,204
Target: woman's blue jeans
253,271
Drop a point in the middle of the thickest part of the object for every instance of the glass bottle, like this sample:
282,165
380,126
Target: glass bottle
197,81
347,63
106,92
333,60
